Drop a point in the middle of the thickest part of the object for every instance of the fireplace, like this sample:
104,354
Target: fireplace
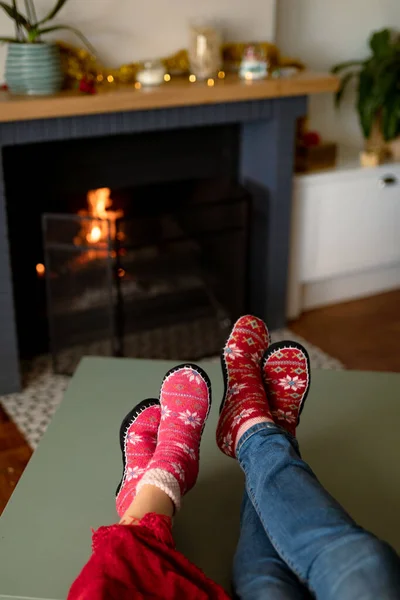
153,263
251,149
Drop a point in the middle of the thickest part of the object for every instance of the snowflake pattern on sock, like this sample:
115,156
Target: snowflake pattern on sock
244,396
286,372
185,400
138,436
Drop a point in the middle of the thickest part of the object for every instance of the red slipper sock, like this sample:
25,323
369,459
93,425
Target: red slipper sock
138,439
185,400
244,403
286,371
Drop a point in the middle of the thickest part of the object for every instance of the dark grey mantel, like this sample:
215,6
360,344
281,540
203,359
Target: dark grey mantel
266,165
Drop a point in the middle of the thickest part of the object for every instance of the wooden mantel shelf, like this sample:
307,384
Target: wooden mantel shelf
177,92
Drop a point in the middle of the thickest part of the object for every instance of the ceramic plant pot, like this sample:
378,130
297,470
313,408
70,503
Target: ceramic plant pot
33,69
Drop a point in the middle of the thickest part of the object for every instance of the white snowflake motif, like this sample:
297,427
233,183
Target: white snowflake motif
189,418
179,471
192,375
237,387
134,438
227,442
255,357
165,412
246,412
232,351
281,415
133,473
291,383
187,450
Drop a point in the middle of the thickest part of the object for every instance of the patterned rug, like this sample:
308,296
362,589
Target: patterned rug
33,408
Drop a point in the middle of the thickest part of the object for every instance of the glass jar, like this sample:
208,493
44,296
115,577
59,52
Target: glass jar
151,72
204,51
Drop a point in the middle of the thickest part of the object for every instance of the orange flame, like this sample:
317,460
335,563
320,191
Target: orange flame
99,202
94,235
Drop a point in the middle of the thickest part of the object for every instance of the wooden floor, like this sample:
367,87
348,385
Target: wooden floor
363,334
14,456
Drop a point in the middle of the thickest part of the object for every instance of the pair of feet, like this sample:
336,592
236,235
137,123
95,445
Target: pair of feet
160,439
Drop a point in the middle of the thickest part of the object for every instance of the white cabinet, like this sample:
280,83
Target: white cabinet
345,222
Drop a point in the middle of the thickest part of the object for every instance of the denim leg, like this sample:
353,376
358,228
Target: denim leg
258,571
330,553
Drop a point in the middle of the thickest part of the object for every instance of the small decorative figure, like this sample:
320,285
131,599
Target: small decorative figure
254,64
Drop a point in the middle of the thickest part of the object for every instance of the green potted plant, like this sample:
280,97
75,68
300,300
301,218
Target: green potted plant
33,66
378,90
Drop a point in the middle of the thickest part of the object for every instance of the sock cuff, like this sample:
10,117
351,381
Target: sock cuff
165,482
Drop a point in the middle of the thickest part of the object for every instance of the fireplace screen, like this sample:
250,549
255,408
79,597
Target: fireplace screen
146,283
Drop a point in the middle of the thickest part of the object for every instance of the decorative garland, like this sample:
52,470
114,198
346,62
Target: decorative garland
82,70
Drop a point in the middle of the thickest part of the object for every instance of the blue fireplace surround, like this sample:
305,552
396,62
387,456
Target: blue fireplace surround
265,166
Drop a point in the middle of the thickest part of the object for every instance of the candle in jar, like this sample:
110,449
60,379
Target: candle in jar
152,73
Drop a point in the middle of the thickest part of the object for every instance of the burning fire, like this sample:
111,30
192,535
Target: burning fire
99,203
99,229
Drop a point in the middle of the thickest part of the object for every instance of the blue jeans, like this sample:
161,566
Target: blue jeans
296,541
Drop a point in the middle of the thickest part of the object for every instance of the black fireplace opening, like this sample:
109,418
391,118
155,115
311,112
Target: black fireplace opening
133,245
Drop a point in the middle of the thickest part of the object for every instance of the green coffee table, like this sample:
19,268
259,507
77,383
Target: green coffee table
349,433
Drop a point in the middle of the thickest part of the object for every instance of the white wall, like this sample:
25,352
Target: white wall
129,30
325,32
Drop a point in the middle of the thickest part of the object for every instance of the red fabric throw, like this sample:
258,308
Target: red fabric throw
132,562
